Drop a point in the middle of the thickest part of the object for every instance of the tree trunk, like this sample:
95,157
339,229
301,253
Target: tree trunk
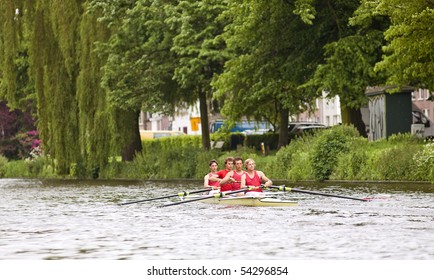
354,117
283,131
133,144
203,107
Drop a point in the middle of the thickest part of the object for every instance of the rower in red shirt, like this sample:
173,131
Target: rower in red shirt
253,178
234,176
229,165
208,180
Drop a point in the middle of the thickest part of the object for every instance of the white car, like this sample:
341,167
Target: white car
297,128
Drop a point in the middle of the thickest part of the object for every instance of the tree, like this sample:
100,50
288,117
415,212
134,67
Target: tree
75,119
200,51
349,68
164,55
277,46
408,58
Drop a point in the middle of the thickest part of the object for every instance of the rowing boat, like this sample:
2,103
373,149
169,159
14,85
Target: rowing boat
247,201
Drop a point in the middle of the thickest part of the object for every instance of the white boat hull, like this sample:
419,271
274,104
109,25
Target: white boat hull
248,201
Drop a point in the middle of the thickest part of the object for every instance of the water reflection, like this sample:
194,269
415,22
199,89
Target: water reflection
62,219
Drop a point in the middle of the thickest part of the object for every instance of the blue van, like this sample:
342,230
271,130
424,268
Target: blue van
246,127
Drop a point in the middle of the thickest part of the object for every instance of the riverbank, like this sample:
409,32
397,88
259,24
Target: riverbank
336,154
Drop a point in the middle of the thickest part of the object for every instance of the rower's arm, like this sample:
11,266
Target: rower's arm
243,181
267,182
206,181
226,178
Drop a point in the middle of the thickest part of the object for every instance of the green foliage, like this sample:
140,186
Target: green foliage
424,163
3,163
349,68
270,140
353,164
164,158
404,139
396,163
89,66
337,152
293,161
392,159
16,169
407,61
40,167
327,147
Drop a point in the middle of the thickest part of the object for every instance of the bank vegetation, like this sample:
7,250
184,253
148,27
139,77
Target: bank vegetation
338,153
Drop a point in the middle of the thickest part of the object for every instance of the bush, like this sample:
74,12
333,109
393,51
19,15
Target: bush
17,169
397,163
3,163
424,163
270,140
327,147
290,161
352,165
166,158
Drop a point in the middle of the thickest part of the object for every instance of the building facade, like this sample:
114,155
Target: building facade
327,111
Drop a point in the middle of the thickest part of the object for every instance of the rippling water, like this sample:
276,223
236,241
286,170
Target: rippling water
62,219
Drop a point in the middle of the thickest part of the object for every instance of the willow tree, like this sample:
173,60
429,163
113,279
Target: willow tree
96,116
277,46
47,30
75,120
15,86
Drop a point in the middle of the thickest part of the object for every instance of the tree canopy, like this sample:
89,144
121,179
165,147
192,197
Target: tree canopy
87,67
276,48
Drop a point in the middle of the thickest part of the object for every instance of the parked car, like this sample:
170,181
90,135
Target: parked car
246,127
298,128
155,134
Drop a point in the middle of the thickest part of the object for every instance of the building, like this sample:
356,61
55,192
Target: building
327,111
423,99
186,120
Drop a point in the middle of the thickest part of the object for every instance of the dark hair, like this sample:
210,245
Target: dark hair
237,159
213,161
229,159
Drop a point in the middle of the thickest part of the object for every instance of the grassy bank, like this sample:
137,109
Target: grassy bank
339,153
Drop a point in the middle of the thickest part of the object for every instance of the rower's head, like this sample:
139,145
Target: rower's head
213,165
238,163
229,163
250,164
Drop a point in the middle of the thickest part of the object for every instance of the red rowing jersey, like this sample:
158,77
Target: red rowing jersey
213,183
255,181
237,185
228,186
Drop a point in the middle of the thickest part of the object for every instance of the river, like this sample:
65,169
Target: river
73,219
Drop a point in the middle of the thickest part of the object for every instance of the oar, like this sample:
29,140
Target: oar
217,195
283,188
184,193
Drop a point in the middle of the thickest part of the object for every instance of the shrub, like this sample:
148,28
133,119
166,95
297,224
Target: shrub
424,163
301,167
396,163
270,140
292,157
17,169
351,165
328,145
3,163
